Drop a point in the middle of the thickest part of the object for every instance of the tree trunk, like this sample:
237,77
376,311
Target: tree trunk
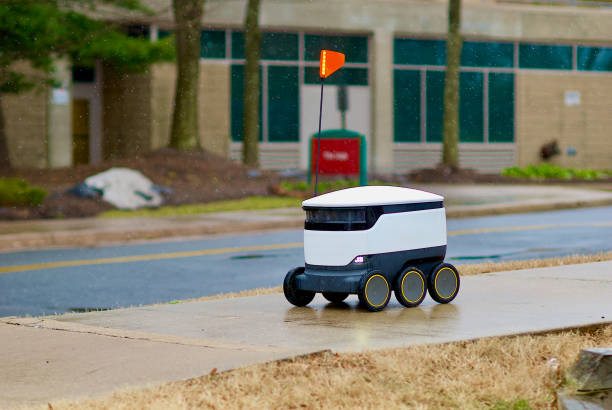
252,49
188,19
450,141
5,160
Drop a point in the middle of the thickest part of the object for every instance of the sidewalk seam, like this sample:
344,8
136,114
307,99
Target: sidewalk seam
50,324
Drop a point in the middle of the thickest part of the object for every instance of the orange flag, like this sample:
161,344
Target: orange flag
330,61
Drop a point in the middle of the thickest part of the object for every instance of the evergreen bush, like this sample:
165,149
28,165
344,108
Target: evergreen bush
17,192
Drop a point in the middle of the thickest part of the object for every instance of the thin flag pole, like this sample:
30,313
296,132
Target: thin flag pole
319,138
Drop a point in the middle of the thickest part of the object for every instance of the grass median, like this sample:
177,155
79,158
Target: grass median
502,373
245,204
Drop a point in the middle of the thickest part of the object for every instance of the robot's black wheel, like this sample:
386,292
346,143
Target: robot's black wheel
443,283
374,291
335,297
294,295
410,287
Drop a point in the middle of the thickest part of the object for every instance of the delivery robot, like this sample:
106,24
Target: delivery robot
370,241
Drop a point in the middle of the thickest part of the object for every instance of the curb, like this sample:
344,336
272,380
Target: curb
92,238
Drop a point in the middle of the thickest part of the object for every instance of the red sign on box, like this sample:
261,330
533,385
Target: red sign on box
338,156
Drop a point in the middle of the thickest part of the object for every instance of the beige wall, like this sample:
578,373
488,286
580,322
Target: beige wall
59,118
126,114
213,112
381,144
543,116
25,118
162,96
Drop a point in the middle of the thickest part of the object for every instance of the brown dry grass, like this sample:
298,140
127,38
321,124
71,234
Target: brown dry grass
499,373
464,270
489,267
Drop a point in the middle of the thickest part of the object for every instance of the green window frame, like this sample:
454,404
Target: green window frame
237,103
471,109
544,56
407,105
501,107
274,46
347,76
419,52
354,47
594,58
487,54
283,104
212,44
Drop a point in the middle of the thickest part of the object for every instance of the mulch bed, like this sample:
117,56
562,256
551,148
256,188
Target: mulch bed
193,177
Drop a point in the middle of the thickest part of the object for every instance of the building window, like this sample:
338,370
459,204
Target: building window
486,91
282,66
283,104
408,110
433,53
501,107
540,56
419,52
434,97
212,44
237,44
280,46
594,58
471,110
237,104
485,54
407,105
354,47
274,46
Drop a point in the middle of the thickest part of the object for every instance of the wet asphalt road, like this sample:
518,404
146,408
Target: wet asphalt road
167,271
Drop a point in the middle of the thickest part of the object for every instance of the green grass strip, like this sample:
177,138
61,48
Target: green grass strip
245,204
551,171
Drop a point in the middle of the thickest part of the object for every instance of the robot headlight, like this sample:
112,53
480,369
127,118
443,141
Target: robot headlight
359,259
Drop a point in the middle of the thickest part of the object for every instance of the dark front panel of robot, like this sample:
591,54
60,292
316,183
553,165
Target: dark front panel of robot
357,218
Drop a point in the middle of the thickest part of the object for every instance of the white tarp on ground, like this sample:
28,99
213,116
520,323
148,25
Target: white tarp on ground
125,188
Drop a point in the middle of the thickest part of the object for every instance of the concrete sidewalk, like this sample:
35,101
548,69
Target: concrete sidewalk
460,200
79,355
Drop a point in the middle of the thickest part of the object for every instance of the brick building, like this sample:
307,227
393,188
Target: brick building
530,74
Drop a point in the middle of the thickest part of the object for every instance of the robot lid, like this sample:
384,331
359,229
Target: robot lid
371,196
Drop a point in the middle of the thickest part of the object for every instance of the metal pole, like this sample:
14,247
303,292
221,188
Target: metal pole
319,139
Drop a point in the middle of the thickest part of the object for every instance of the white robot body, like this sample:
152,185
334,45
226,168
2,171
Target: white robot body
391,233
372,240
402,229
